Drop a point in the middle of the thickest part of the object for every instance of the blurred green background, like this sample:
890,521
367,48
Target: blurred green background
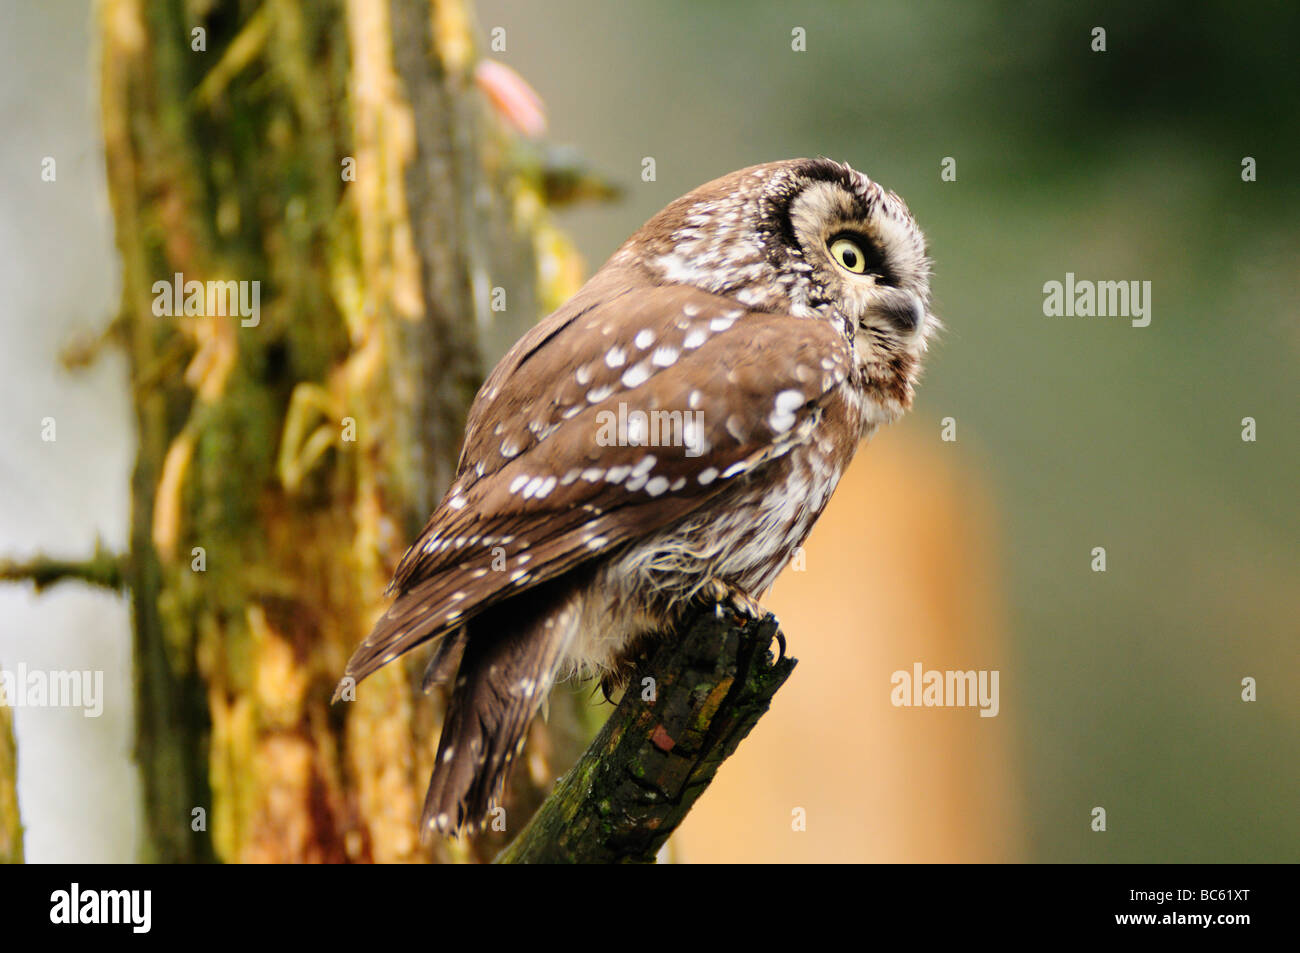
1122,165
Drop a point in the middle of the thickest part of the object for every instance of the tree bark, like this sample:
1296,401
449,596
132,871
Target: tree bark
11,824
689,705
338,155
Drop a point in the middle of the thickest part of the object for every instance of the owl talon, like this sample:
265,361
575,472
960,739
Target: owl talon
724,595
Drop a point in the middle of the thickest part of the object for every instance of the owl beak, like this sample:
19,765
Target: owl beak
904,311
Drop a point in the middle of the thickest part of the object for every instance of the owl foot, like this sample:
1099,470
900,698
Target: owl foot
726,596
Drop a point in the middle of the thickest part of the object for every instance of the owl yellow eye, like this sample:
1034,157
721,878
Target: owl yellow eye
849,255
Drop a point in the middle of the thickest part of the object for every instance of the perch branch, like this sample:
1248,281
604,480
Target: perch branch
104,569
662,746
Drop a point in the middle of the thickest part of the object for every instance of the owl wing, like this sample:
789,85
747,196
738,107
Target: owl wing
560,468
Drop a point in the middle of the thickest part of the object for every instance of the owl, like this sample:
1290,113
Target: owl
668,436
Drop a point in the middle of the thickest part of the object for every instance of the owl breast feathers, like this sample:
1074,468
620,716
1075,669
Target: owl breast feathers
670,433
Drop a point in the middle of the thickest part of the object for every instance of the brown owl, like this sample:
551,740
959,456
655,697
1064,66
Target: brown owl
670,434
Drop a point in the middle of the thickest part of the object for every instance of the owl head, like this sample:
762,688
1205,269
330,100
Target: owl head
809,237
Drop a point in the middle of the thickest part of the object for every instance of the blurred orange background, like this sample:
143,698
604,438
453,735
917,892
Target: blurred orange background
910,535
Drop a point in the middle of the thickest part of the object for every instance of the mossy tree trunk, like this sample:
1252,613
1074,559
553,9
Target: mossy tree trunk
11,825
339,155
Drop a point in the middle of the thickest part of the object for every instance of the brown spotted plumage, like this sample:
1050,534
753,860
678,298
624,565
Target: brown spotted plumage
671,433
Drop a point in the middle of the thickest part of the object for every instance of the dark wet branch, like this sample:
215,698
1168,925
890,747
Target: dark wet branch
662,746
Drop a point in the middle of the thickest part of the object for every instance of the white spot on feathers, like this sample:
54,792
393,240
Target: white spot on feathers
782,417
664,356
636,376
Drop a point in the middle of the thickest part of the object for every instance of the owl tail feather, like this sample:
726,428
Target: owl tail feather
512,655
